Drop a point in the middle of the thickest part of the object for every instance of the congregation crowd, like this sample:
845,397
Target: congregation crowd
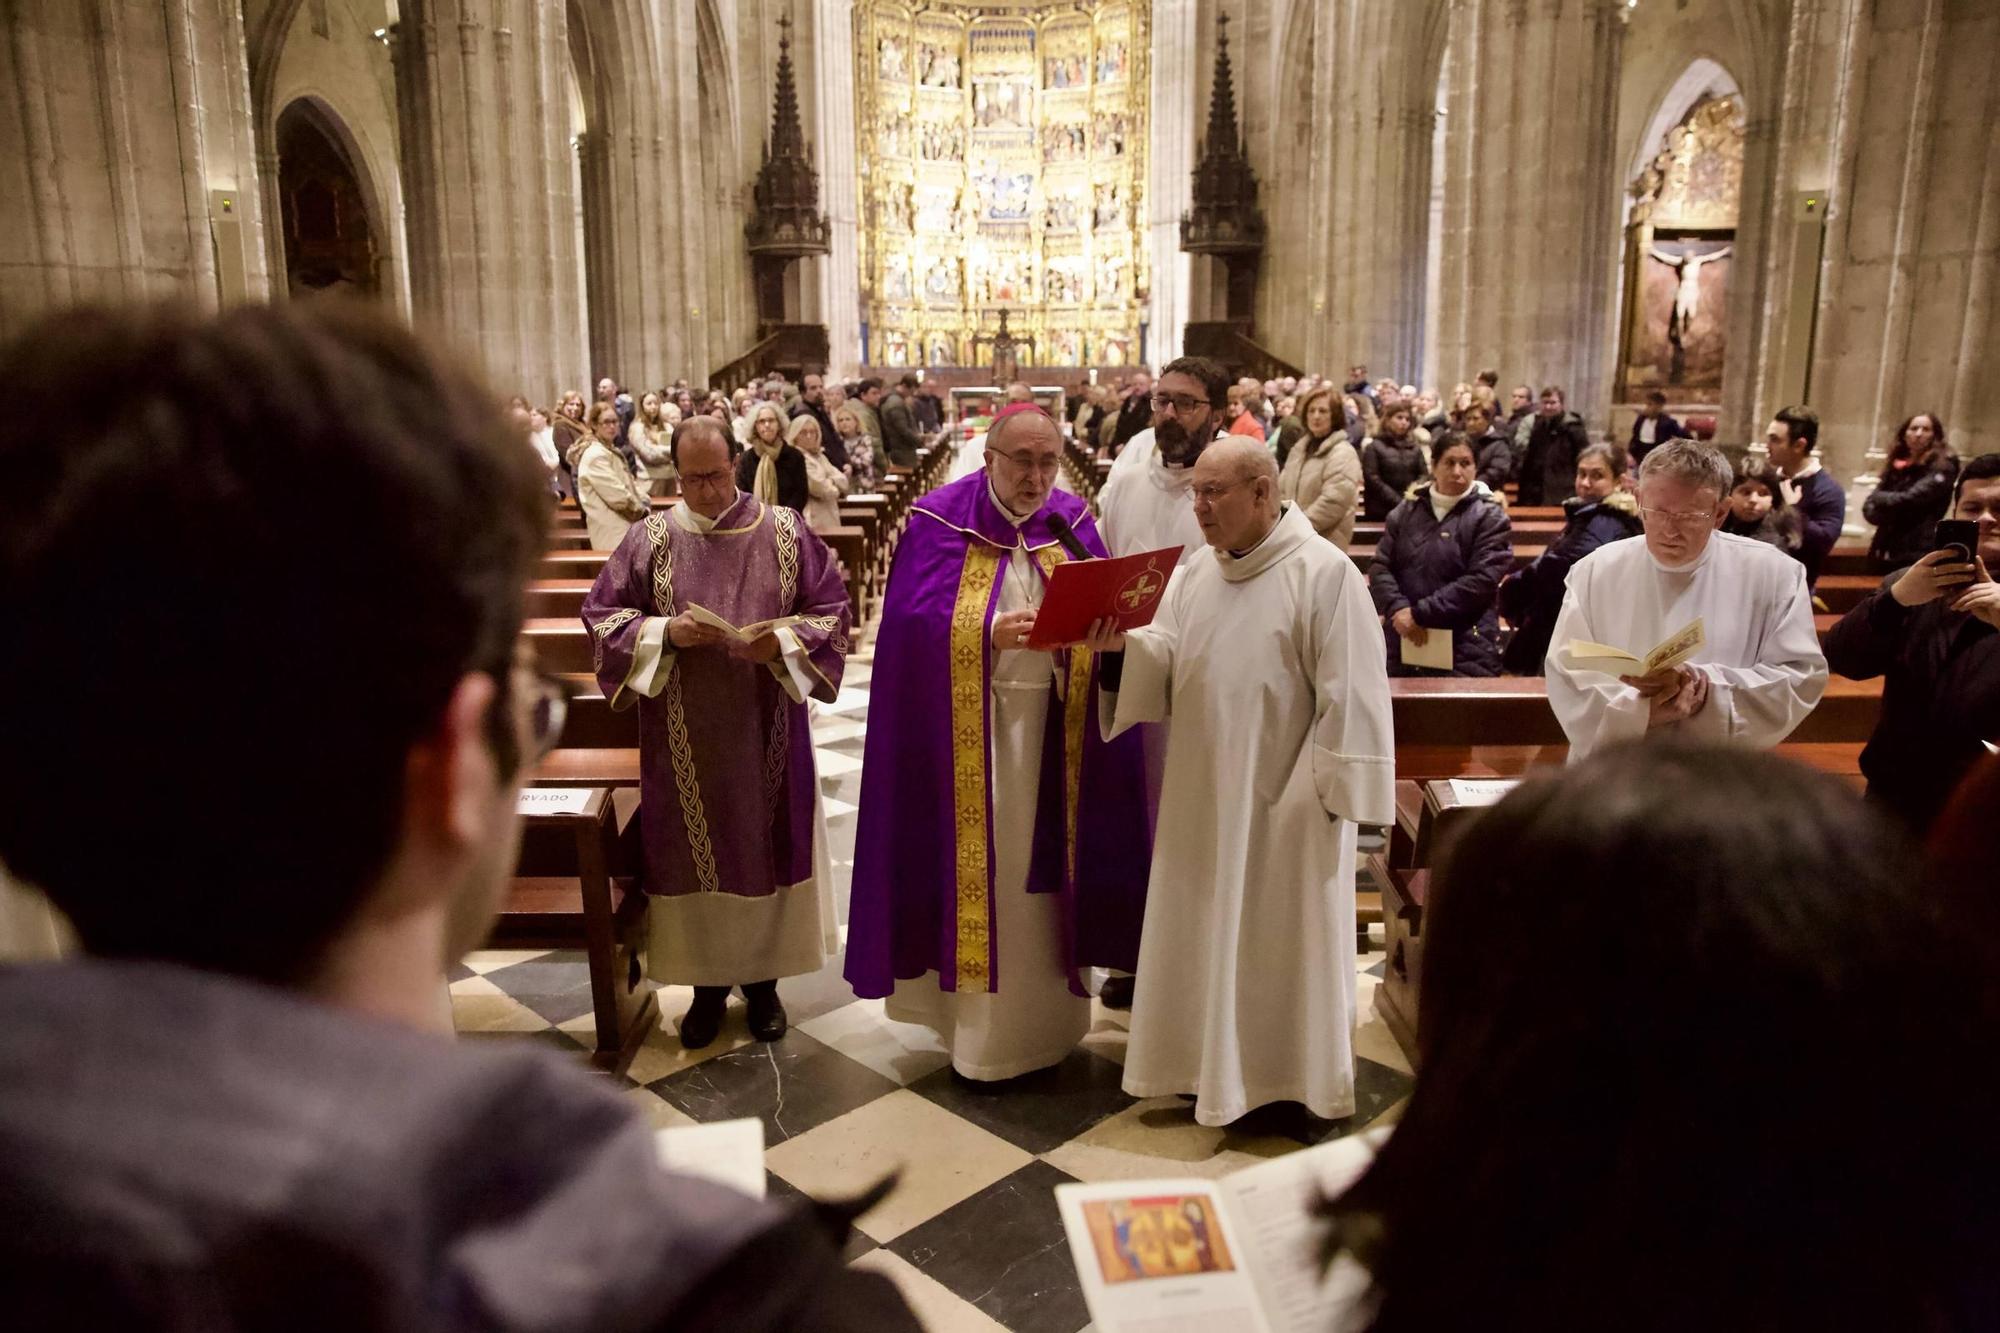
1706,1039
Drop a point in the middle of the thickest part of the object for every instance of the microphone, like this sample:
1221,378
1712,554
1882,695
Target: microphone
1066,536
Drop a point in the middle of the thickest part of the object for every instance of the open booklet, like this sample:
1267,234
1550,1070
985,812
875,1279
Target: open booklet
728,1152
1671,651
741,633
1240,1253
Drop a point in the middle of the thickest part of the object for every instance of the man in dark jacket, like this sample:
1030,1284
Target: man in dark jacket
900,437
812,403
1933,632
240,1110
1439,562
1809,488
1548,471
1653,426
1136,412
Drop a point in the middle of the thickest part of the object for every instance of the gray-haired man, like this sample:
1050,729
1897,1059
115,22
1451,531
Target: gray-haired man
1759,669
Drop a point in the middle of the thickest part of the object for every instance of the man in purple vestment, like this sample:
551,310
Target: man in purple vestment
1002,844
729,811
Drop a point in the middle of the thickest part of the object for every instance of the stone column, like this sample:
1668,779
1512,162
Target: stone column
1179,64
1530,233
832,132
123,120
488,188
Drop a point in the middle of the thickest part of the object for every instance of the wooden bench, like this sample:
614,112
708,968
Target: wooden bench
576,885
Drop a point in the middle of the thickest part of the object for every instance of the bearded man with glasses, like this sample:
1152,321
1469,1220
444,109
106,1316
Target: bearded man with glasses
1760,669
1001,847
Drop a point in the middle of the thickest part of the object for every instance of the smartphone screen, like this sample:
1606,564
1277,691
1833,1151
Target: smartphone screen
1957,535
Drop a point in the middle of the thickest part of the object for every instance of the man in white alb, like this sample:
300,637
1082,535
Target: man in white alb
1760,669
1266,653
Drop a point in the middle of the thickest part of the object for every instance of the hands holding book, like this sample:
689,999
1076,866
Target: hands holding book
1674,694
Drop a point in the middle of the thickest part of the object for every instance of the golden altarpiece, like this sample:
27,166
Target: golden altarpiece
1002,149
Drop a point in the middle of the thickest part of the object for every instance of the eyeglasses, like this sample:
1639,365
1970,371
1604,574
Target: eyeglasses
1208,495
1680,518
1045,466
1178,402
706,479
547,709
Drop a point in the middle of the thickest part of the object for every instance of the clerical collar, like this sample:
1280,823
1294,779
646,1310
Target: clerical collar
1016,519
692,521
1251,549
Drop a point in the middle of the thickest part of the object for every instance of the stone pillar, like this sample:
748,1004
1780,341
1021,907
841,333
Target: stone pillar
488,187
123,120
832,133
1178,64
1531,228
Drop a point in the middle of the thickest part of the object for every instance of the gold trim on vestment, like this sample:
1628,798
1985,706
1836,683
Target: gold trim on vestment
1076,712
982,537
972,955
687,783
602,631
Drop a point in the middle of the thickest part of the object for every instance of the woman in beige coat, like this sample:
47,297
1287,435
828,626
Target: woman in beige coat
1322,473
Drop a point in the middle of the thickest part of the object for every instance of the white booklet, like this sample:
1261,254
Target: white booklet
1436,650
741,633
1482,791
1671,651
1239,1254
728,1152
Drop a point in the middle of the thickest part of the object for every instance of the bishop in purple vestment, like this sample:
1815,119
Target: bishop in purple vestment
1002,844
729,811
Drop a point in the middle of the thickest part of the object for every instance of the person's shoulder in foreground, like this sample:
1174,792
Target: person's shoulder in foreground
266,710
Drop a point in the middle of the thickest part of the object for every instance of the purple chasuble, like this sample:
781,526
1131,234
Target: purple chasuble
726,757
923,862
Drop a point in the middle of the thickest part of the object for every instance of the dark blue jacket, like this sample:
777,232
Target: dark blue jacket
1447,574
1822,508
1533,598
1905,509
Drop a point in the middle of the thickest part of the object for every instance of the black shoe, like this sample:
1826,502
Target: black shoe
1117,993
703,1020
767,1011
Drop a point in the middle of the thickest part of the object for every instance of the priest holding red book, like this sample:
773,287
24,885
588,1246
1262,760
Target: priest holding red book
1002,844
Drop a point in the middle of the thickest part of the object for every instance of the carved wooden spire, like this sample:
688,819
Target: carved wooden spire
1224,218
787,221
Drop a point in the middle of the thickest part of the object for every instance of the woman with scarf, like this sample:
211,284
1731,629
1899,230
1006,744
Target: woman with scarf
1321,472
769,468
607,492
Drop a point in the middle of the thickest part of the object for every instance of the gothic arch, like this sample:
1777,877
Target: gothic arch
1704,76
330,221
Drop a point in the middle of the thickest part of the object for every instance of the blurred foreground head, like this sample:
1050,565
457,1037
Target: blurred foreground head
1702,1047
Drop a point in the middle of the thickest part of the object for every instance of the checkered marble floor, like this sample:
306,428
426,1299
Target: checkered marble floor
971,1233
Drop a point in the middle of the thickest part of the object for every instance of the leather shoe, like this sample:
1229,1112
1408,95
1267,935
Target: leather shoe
767,1012
1116,993
703,1020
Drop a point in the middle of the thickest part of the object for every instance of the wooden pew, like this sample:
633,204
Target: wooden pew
576,885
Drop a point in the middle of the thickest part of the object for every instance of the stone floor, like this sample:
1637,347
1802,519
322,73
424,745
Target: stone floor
971,1234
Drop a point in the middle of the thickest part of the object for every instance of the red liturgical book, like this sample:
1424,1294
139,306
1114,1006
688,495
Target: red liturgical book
1127,589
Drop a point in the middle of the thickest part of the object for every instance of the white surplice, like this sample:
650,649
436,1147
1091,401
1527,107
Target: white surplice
1271,668
1763,661
1029,1020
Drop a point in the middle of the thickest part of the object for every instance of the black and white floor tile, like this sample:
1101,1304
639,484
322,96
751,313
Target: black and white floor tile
970,1234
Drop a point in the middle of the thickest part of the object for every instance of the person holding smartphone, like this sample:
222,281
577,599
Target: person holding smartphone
1932,632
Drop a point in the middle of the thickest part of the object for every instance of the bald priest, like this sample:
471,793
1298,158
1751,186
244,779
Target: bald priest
1001,844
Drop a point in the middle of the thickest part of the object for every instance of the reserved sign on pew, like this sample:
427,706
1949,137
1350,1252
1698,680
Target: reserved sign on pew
554,801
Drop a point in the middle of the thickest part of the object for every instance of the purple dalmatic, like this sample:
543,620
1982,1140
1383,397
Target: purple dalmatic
923,859
725,746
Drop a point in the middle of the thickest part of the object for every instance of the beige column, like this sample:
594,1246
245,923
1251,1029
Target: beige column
831,132
124,123
1180,63
487,186
1531,202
